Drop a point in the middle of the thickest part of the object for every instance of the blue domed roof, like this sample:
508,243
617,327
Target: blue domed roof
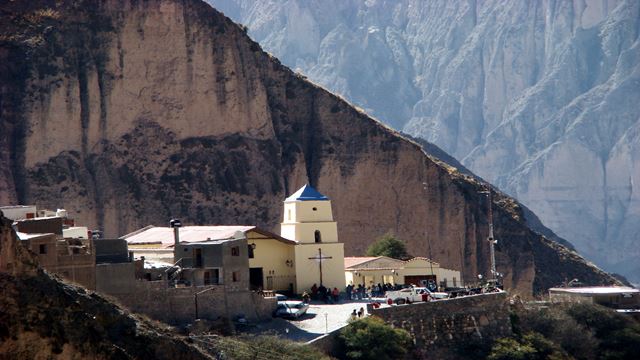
307,193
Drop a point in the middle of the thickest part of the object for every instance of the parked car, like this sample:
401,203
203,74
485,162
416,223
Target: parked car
281,297
290,309
413,294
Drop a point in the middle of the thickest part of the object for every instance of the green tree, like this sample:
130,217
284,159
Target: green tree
389,245
371,338
511,349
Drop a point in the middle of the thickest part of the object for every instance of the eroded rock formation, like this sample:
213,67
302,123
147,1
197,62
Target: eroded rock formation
128,113
538,97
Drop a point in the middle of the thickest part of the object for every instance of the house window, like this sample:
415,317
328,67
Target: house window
216,276
43,248
236,276
250,248
235,251
315,209
318,236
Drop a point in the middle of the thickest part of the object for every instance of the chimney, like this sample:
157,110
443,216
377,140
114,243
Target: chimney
175,224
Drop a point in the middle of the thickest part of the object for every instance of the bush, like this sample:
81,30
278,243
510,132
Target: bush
583,331
560,328
532,346
511,349
261,347
371,338
389,245
619,336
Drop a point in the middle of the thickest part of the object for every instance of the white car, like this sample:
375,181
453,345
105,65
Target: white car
290,309
413,294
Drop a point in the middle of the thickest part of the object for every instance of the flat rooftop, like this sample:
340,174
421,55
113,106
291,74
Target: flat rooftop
596,290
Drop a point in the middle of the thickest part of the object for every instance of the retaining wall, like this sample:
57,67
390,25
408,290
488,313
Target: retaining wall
440,328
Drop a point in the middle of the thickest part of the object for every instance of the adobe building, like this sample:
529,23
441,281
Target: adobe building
307,252
183,273
72,258
418,271
617,297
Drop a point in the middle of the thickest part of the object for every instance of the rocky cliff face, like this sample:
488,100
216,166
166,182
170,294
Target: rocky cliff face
129,113
538,97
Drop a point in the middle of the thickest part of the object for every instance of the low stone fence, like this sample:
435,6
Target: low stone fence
438,327
178,305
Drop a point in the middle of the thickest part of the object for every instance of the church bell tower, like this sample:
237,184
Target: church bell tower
319,257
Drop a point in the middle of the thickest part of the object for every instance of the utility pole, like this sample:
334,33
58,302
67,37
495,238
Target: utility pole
424,187
491,239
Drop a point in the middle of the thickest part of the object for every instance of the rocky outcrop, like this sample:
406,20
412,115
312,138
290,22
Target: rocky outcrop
538,97
41,317
129,113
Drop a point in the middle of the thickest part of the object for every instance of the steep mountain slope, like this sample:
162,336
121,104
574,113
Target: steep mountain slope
538,97
129,113
41,318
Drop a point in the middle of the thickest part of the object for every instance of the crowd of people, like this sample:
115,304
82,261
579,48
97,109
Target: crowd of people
351,292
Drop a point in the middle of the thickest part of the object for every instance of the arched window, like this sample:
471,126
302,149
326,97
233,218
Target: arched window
318,236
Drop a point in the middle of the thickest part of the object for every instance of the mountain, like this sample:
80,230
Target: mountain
538,97
129,113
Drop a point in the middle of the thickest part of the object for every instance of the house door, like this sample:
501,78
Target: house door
428,281
197,257
207,278
255,278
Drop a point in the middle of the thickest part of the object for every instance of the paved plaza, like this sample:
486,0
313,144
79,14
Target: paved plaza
320,319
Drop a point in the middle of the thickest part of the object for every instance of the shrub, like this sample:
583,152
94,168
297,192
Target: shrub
557,326
371,338
511,349
261,347
619,336
532,346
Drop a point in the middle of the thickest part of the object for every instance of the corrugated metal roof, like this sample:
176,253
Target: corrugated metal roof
594,290
25,236
188,234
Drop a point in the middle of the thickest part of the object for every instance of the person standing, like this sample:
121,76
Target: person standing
322,291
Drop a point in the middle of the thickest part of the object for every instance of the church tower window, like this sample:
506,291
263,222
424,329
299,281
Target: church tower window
318,236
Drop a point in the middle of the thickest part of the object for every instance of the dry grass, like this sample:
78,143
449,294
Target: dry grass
41,15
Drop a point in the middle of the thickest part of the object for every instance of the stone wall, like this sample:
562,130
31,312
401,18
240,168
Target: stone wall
441,327
115,278
178,305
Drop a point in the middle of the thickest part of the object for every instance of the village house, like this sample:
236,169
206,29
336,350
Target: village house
418,271
617,297
45,233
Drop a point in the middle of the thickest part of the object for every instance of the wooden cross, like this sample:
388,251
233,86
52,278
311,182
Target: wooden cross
319,258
